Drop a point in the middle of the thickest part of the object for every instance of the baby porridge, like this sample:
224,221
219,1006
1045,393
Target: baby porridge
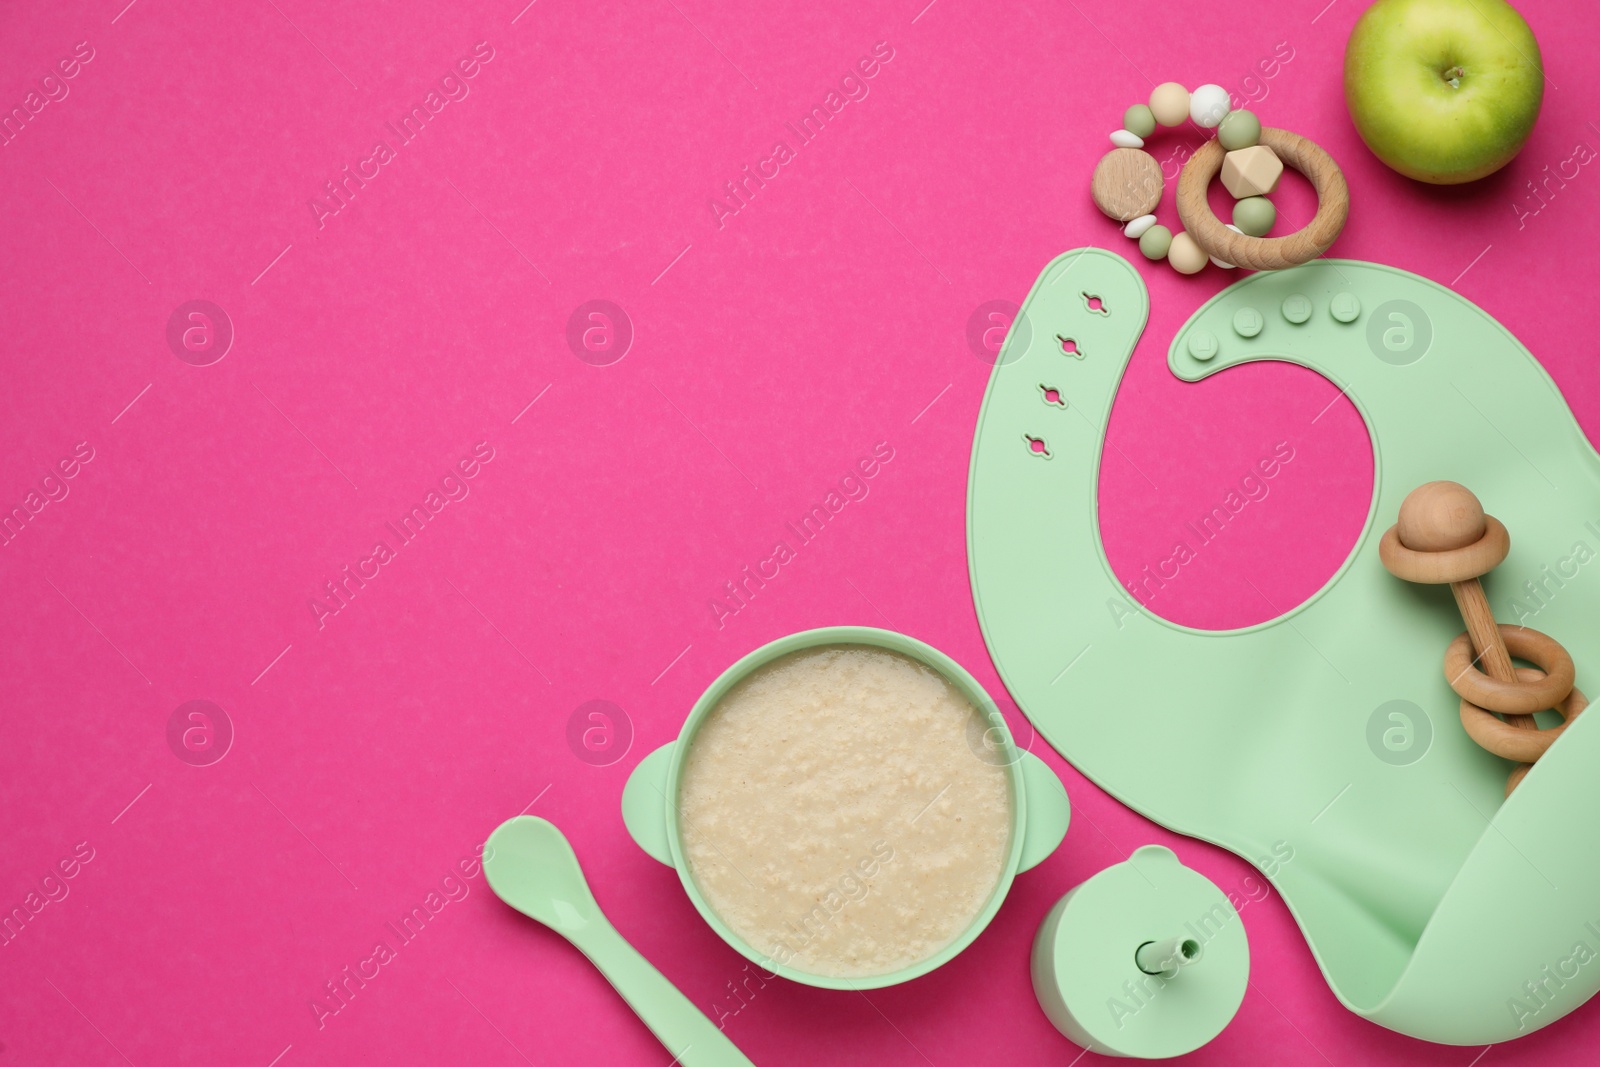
837,814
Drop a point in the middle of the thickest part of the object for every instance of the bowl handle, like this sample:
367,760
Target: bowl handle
644,803
1048,811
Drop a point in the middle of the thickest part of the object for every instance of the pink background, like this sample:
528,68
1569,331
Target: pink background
771,352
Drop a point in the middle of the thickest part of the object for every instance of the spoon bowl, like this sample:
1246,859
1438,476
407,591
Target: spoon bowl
530,865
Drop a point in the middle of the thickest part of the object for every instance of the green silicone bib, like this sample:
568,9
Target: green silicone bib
1329,734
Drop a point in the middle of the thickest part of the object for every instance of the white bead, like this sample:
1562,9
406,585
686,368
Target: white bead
1220,263
1126,139
1209,105
1136,228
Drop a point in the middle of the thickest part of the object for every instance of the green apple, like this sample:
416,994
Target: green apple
1444,91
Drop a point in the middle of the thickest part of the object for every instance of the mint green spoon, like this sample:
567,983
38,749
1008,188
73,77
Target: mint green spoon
530,866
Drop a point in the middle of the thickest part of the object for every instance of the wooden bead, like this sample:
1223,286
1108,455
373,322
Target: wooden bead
1439,516
1126,184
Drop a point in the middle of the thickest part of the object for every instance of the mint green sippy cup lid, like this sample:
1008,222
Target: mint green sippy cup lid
1146,959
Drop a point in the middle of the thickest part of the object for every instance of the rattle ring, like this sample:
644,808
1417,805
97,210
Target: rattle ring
1523,696
1265,253
1509,742
1471,560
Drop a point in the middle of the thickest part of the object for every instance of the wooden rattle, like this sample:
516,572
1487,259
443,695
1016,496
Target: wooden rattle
1443,536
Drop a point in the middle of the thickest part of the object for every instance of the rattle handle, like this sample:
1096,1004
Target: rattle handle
1486,640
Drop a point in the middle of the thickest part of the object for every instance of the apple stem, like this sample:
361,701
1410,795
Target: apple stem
1454,75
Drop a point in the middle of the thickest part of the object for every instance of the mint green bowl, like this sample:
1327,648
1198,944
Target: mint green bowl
1039,808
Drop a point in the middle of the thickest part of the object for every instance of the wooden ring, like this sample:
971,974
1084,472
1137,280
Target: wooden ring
1511,742
1450,565
1522,697
1265,253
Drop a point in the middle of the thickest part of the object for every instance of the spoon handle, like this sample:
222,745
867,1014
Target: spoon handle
677,1023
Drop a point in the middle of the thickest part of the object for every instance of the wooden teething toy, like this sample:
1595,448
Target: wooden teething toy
1265,253
1443,536
1127,185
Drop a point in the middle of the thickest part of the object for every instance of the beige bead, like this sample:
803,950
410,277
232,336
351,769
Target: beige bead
1169,102
1252,171
1185,256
